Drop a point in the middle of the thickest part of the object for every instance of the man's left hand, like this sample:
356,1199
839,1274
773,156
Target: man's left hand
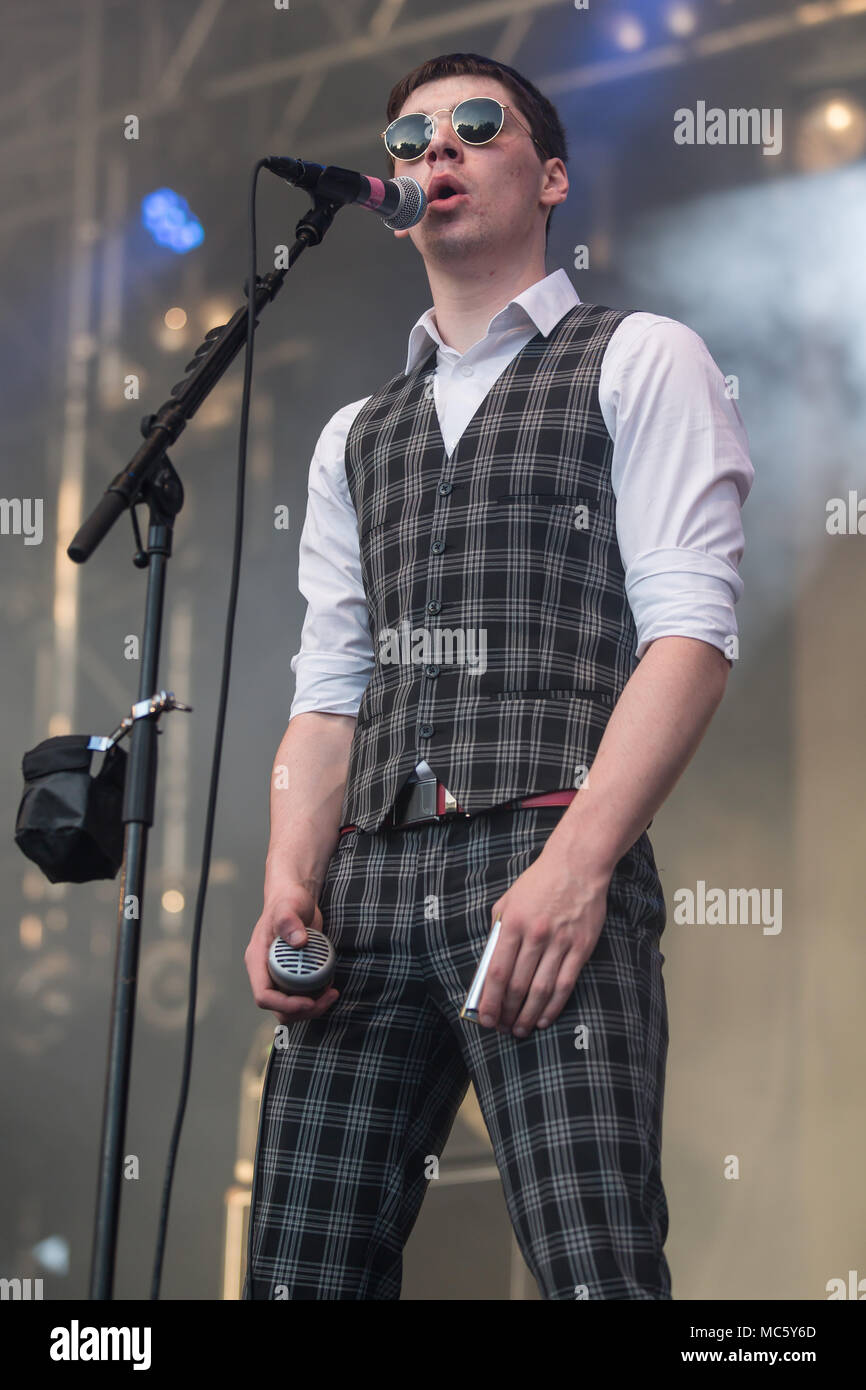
552,916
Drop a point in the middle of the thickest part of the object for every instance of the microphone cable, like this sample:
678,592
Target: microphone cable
228,640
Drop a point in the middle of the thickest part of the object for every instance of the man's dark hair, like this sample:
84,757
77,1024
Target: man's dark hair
539,113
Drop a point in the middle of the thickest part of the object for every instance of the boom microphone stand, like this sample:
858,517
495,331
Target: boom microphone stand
151,477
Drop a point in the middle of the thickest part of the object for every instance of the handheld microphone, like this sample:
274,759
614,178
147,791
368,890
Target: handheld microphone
305,969
400,202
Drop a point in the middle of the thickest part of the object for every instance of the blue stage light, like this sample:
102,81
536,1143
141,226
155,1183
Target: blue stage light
167,217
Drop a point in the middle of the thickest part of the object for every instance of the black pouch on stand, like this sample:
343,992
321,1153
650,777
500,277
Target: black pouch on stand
69,823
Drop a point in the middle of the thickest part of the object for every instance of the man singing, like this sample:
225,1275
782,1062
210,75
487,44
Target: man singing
520,559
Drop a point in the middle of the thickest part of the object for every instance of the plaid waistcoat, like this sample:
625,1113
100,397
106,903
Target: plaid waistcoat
494,582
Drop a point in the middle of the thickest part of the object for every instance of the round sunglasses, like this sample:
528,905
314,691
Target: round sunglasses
476,121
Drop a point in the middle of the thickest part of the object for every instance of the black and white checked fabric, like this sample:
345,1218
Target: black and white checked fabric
361,1098
510,542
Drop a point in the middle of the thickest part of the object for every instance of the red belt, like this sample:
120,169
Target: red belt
410,800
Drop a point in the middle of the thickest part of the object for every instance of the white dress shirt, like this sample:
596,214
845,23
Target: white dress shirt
680,472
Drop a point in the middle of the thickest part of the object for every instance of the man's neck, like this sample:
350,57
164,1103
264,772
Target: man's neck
464,305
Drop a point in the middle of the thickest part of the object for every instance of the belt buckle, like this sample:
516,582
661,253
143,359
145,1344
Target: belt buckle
417,804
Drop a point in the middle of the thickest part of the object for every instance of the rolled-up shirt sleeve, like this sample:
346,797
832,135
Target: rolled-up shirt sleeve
336,659
680,472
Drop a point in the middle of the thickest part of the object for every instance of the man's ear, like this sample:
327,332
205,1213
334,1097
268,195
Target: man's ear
556,178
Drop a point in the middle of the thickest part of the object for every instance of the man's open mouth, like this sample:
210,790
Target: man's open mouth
445,195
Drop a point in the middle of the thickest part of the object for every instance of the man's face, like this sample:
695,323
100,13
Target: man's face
500,183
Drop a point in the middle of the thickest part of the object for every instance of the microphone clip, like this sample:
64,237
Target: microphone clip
311,227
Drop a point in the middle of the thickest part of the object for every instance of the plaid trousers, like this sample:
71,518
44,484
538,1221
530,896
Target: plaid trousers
357,1102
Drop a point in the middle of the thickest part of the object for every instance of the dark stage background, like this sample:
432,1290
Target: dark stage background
761,253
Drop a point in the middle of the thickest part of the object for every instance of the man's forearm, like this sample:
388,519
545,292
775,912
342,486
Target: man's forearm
653,732
307,786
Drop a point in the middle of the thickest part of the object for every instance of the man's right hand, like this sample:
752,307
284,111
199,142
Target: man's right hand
287,914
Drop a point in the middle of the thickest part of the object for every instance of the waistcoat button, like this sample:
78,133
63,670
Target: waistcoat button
426,730
434,606
437,547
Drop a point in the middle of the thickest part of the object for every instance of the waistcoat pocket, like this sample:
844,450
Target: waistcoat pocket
582,693
551,499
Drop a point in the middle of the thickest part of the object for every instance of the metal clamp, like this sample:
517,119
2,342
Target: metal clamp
418,803
143,709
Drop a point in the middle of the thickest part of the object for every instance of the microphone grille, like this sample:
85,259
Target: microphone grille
413,204
303,960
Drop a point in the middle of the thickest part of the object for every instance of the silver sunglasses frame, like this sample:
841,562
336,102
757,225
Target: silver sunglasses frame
449,110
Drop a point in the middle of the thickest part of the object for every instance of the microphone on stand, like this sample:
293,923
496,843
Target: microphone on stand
400,202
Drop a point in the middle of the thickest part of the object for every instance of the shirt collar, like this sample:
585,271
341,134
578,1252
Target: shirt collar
543,305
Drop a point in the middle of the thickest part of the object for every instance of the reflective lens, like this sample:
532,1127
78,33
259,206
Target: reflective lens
477,120
409,136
